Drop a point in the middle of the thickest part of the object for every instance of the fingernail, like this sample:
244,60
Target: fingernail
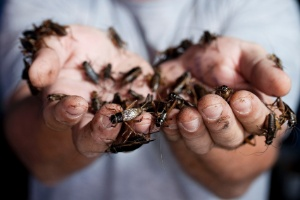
172,126
242,105
105,121
213,112
190,126
75,111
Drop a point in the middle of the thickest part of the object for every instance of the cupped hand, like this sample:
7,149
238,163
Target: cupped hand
57,69
247,68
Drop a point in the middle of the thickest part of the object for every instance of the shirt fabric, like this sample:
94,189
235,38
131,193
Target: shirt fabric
152,172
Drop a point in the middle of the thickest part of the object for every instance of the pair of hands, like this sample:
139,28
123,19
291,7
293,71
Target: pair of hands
200,137
228,61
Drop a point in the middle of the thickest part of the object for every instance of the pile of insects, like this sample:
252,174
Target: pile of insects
182,92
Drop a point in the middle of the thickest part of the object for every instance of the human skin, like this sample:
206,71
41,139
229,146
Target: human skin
206,140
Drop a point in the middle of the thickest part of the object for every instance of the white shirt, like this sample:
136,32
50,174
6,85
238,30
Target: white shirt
151,172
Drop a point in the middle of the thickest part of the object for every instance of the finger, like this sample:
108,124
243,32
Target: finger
249,110
193,131
220,121
142,124
170,127
44,68
62,114
261,71
94,134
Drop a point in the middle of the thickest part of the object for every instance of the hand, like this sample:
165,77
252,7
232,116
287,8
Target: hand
66,127
208,140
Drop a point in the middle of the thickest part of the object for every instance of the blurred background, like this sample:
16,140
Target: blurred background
285,182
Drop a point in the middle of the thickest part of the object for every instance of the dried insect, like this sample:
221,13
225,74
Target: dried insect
129,113
107,73
132,143
162,111
198,92
224,91
96,102
90,72
207,38
270,128
32,39
155,80
182,82
56,97
115,38
131,75
276,60
49,27
25,76
180,102
287,114
172,52
135,95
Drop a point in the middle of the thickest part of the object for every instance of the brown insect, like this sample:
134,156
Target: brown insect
130,75
155,80
118,100
56,97
172,52
207,38
287,114
25,76
270,128
180,102
135,95
115,38
130,113
276,60
132,143
96,102
198,92
107,73
90,72
224,91
182,82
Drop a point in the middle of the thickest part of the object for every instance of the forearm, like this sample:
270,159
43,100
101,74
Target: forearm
227,173
48,154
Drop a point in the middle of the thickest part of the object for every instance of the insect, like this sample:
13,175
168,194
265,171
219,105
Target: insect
207,38
270,128
155,80
182,82
56,97
180,102
132,143
115,38
224,91
131,75
25,76
33,38
96,102
135,95
130,113
198,92
172,52
118,100
161,112
90,72
106,71
48,27
287,113
276,60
